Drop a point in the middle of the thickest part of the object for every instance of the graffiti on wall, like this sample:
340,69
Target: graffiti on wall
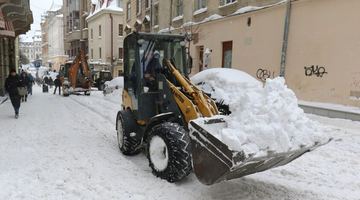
264,74
315,71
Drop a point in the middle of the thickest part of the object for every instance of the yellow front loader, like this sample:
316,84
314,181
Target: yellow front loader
159,106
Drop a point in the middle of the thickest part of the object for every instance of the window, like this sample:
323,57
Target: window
138,7
147,4
92,53
225,2
200,4
120,53
156,14
91,34
99,30
99,52
179,7
121,29
128,10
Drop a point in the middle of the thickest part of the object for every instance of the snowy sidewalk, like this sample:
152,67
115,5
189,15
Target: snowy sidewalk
66,148
331,110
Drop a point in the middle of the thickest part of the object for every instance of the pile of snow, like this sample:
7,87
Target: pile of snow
263,119
113,85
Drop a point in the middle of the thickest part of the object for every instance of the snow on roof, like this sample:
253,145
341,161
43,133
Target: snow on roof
246,9
26,39
147,17
54,7
212,17
61,15
107,5
254,8
166,30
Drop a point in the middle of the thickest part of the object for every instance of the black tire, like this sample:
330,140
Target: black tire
177,151
127,136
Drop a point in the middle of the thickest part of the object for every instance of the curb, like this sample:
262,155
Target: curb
331,113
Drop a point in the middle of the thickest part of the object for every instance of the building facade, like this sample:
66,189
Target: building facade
176,15
15,19
106,35
53,38
318,57
75,26
31,47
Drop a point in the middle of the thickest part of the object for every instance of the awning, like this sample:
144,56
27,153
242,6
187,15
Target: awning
9,29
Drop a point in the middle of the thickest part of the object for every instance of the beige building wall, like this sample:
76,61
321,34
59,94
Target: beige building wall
96,41
257,46
322,58
323,34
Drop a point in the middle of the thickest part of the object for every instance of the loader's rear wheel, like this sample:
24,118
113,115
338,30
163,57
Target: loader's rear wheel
128,140
169,151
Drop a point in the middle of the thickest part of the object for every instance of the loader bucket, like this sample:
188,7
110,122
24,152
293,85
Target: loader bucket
214,162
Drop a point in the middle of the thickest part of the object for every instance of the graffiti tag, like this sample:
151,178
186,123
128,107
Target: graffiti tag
264,74
315,70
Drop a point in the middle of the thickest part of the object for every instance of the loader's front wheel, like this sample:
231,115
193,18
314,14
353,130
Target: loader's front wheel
168,151
128,140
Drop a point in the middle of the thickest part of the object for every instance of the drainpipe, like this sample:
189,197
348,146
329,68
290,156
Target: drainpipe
151,15
285,39
112,43
171,15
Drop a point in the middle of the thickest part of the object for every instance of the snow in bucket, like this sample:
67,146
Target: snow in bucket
265,118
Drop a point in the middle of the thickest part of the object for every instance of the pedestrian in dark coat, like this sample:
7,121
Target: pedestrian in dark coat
24,82
57,83
12,83
31,83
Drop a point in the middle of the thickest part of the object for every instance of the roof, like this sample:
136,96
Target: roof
107,5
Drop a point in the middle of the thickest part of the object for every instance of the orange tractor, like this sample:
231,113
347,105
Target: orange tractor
75,76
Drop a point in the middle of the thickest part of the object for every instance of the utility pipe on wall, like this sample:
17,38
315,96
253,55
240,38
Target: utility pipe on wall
112,43
285,39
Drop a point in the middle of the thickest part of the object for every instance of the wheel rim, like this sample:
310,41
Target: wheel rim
158,152
120,133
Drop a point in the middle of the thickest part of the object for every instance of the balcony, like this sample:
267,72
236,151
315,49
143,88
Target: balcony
72,36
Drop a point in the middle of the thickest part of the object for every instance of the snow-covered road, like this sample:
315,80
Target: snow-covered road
65,148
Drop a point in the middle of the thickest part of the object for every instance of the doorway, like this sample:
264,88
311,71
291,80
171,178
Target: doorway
227,54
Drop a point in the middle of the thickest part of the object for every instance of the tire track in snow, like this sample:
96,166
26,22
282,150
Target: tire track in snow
92,109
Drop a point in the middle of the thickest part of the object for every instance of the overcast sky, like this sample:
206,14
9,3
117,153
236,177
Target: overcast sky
38,7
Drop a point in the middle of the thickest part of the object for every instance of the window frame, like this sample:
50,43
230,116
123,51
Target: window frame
200,4
128,10
223,3
138,7
179,6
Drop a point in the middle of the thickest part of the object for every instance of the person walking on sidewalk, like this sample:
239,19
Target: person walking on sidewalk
57,83
24,82
12,83
31,83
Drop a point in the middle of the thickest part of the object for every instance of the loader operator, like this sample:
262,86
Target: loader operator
150,71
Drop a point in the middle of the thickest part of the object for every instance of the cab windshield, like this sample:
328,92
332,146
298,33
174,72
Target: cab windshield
167,49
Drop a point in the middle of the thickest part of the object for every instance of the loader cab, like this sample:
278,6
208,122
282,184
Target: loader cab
139,51
64,69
